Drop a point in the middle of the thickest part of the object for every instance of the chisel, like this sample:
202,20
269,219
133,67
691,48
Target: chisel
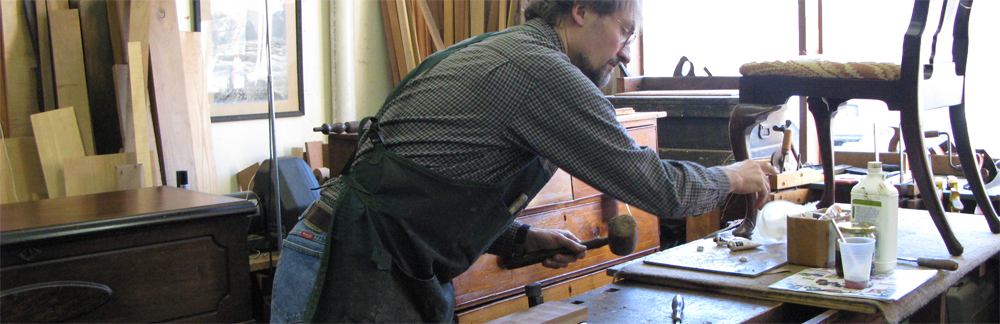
943,264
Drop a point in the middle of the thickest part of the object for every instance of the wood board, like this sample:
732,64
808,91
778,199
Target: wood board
548,312
57,138
141,129
314,154
720,259
45,56
93,174
19,59
70,71
199,112
21,177
99,58
128,177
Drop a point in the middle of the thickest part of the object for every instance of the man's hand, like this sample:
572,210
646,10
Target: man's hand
750,177
547,239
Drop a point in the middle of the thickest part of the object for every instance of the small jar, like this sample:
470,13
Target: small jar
853,229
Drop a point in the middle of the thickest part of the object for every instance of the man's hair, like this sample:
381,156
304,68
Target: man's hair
552,11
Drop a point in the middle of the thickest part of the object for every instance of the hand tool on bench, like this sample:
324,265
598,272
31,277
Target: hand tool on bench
678,309
784,159
623,236
943,264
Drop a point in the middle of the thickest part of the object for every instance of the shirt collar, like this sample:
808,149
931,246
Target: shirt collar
547,31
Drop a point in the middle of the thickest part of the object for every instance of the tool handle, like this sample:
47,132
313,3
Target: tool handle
678,309
943,264
786,141
539,256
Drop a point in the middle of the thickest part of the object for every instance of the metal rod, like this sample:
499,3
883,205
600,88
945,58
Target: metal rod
275,189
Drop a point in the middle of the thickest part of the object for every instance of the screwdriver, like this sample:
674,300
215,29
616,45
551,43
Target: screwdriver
943,264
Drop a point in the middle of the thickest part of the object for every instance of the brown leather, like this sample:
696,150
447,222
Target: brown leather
318,217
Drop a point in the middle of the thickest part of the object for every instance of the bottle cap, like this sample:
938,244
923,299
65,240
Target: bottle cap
874,167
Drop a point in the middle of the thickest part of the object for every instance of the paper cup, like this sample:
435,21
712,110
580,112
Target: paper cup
856,254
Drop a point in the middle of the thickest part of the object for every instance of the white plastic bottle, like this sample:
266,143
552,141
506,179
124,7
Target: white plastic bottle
876,201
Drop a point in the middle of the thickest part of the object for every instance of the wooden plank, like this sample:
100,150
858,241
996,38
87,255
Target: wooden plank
245,178
390,42
514,13
45,56
19,59
314,154
492,20
449,22
93,174
798,196
116,31
549,312
21,177
397,39
477,17
58,5
140,128
794,179
502,14
299,152
419,30
201,116
3,82
98,61
128,177
409,47
431,25
182,150
555,292
138,31
70,71
123,99
58,138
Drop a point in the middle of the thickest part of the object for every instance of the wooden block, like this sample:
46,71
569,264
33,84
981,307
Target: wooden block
555,292
299,152
128,177
93,174
185,148
794,179
98,62
70,71
798,196
140,127
245,178
19,60
548,312
58,5
322,175
45,56
477,17
314,154
21,177
57,138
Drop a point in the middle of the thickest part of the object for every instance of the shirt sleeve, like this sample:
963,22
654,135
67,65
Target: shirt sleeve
568,121
511,242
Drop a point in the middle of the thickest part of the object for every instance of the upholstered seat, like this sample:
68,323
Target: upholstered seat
823,69
929,77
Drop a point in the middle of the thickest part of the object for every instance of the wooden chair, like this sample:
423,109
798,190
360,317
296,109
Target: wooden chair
934,57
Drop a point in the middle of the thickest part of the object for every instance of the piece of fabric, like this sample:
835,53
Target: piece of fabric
823,69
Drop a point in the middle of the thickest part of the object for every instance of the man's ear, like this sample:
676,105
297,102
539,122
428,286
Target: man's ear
579,12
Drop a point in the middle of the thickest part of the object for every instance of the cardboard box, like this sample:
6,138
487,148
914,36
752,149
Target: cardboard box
811,242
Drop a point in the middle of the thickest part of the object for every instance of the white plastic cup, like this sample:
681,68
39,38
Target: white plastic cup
856,254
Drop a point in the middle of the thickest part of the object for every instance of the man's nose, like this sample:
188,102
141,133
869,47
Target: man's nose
624,54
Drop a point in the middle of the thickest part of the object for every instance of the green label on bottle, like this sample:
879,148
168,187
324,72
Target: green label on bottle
866,203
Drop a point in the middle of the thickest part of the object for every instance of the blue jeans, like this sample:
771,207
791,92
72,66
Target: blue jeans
301,253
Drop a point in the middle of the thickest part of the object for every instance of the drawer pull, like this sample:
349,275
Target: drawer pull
55,301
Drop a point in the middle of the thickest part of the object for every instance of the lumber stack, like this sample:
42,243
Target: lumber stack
415,29
90,89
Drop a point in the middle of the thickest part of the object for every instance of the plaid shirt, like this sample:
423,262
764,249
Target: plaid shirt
484,112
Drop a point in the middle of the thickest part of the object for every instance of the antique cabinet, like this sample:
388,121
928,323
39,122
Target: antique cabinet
486,291
158,254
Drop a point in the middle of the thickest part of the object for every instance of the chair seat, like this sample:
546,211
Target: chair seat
823,69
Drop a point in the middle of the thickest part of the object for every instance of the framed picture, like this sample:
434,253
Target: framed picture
237,62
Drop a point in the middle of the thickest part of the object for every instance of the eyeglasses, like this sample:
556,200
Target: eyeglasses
630,34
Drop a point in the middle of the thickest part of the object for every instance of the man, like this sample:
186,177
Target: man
457,150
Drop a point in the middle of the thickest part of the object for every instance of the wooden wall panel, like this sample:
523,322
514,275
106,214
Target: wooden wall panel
93,174
71,82
58,138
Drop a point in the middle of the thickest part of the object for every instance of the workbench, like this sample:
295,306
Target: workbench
645,290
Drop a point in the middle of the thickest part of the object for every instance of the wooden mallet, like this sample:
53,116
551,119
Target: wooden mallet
623,236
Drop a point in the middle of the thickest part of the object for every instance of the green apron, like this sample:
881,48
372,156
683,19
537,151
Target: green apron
400,233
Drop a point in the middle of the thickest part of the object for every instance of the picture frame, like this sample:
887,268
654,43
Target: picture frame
236,64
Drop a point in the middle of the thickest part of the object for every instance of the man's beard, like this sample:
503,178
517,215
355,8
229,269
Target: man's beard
597,75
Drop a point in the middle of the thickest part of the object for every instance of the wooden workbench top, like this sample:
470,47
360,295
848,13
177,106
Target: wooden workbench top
918,237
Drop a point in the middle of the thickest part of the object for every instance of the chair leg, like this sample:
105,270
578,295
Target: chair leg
960,132
823,111
920,169
741,123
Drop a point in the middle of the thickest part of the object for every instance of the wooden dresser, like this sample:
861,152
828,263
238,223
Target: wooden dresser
486,291
158,254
